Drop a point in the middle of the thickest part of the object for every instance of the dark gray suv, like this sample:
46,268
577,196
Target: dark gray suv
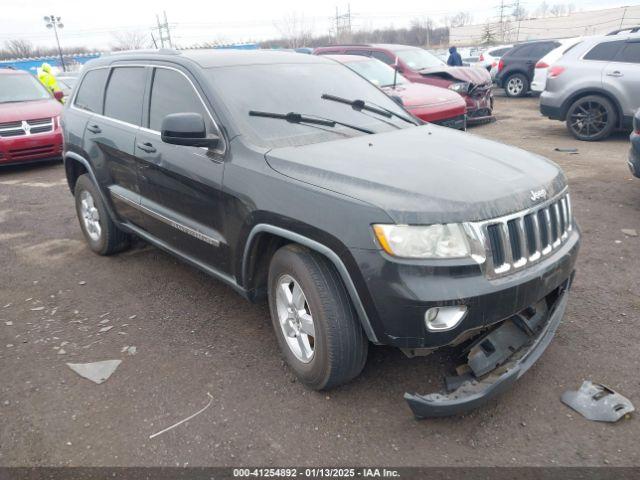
293,179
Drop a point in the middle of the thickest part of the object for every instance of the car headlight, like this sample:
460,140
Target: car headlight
460,87
434,241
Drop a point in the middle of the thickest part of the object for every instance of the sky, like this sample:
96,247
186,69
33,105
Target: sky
94,24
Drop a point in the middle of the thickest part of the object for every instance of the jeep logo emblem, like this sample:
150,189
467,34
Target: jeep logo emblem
538,194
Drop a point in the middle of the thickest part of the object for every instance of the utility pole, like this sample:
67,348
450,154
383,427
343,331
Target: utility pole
164,32
624,14
54,22
343,24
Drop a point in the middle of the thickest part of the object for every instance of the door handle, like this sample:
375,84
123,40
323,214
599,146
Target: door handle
94,129
617,73
146,147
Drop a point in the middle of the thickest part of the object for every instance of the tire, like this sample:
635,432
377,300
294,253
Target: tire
338,345
516,85
591,118
100,232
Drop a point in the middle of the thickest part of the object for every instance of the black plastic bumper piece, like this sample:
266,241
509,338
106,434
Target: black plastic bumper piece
554,113
474,393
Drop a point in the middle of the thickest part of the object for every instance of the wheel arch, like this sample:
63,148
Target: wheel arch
593,91
270,238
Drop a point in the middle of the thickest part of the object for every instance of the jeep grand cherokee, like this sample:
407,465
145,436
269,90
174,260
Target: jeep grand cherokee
291,178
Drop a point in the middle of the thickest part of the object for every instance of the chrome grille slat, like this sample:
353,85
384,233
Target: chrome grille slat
516,240
35,126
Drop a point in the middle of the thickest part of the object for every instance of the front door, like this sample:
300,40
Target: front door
622,76
180,186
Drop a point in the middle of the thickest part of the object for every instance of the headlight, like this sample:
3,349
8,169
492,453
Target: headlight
459,87
433,241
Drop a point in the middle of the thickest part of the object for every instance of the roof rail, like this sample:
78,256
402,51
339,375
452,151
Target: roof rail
163,51
635,29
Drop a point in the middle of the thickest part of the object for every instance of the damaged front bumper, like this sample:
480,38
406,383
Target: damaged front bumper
496,360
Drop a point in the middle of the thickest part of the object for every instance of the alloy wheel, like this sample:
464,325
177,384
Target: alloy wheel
295,318
90,216
515,85
589,119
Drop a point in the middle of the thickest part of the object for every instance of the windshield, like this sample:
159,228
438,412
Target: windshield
377,72
418,59
21,88
298,87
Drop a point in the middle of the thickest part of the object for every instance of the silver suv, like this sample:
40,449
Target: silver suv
595,86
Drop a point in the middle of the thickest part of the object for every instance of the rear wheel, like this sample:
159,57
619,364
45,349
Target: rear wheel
591,118
517,85
101,233
317,329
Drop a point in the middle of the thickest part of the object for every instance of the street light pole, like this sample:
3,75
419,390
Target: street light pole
55,23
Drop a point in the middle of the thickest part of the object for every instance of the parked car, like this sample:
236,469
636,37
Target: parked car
516,67
595,87
67,82
634,154
431,104
421,66
542,67
29,120
290,177
491,56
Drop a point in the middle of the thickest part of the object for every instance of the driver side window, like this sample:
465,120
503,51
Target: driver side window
171,93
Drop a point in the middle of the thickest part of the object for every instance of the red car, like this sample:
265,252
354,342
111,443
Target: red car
29,120
419,66
431,104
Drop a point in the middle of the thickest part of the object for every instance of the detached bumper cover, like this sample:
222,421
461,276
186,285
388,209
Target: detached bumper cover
474,393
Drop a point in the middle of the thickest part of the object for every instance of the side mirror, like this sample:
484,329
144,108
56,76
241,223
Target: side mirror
187,129
58,95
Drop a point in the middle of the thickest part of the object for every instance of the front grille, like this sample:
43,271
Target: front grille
28,127
517,240
26,153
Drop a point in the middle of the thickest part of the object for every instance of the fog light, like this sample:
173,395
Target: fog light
440,319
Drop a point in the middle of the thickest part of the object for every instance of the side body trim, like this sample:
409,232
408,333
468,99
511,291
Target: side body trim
324,250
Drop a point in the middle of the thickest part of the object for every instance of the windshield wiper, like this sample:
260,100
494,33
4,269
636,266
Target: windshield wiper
360,105
293,117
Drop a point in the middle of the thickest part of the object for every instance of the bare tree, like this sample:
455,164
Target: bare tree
519,13
19,48
558,10
488,34
542,10
295,30
460,19
130,40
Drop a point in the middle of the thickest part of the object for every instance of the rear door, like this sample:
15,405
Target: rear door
111,138
180,186
622,75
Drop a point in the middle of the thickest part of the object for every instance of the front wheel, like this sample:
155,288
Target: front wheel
591,118
317,329
517,85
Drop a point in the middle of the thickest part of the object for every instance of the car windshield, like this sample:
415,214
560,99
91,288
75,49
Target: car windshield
377,72
21,88
298,87
418,59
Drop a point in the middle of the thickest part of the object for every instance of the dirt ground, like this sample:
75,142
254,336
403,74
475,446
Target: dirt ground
195,336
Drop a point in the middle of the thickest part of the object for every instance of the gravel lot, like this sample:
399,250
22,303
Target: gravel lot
194,335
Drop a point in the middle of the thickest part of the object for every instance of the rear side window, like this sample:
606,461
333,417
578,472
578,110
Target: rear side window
499,52
172,93
364,53
125,94
383,57
630,53
91,90
604,51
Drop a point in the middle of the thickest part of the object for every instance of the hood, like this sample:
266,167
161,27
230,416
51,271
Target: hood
424,175
474,75
419,94
17,111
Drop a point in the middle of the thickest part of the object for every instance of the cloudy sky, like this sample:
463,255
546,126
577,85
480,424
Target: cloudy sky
94,24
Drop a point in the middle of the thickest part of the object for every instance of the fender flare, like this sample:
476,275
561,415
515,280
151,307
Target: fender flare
323,250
